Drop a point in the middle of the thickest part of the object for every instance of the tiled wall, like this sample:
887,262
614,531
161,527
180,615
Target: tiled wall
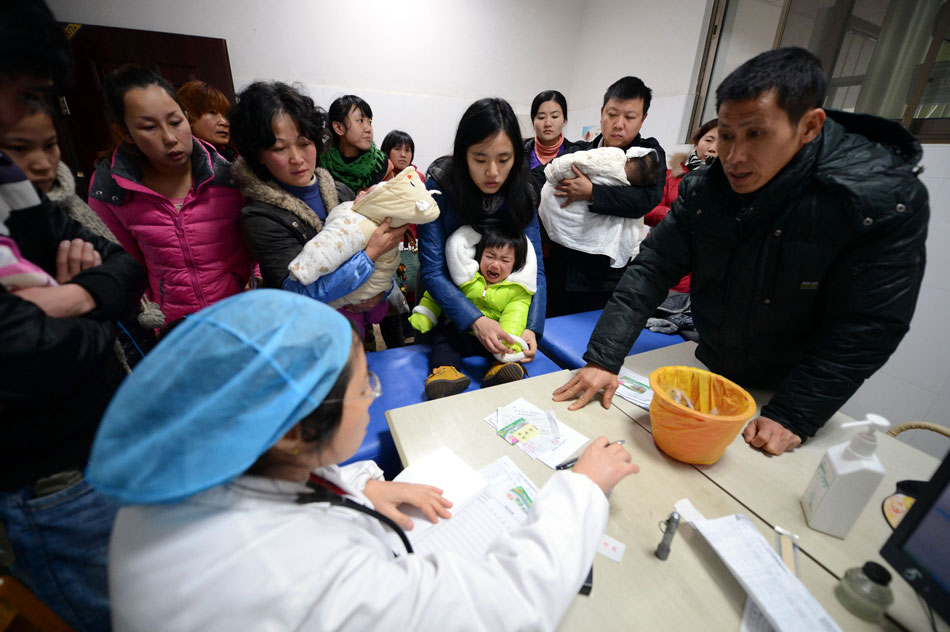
915,383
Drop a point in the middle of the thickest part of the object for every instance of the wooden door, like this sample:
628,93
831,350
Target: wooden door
98,50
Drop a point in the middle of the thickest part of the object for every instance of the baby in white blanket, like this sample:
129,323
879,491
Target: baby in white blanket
349,226
574,226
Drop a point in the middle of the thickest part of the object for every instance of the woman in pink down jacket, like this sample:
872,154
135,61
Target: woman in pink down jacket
169,198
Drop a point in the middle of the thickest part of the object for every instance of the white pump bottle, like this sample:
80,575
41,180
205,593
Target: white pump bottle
845,480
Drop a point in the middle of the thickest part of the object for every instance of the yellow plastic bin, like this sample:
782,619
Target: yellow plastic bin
695,435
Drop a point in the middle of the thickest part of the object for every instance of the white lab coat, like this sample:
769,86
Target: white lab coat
244,556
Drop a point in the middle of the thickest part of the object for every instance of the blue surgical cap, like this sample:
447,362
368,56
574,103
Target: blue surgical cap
216,394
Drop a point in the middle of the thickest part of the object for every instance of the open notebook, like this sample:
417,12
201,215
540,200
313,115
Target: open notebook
486,503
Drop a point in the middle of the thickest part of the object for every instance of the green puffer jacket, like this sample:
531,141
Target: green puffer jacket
805,287
507,301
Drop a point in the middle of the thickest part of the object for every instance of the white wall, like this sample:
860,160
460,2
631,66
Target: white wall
748,29
418,63
914,385
656,41
447,53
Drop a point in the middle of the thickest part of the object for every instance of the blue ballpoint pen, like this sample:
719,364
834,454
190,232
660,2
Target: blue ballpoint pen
566,465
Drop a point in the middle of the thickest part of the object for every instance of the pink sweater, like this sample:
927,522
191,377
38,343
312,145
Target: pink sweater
194,256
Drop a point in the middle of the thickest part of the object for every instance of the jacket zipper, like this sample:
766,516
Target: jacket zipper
186,253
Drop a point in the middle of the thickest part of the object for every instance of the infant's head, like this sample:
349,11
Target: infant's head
499,254
642,171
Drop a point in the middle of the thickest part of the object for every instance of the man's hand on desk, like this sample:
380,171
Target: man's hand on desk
606,464
387,496
770,436
586,383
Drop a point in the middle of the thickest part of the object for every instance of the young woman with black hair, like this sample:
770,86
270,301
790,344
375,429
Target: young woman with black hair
280,135
549,116
352,157
169,198
483,182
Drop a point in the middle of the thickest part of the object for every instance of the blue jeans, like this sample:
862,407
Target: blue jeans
61,543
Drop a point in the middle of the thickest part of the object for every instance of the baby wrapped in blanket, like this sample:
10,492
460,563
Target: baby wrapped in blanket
575,226
348,227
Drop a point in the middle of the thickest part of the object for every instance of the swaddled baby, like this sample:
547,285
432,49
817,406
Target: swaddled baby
575,226
348,227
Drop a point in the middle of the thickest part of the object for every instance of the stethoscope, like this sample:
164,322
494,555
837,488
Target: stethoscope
321,494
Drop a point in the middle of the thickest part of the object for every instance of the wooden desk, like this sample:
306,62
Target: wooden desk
691,590
771,486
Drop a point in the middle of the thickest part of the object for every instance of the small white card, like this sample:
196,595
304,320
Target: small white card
611,548
635,388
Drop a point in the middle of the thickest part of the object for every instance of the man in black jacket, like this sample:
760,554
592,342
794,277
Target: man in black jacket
57,356
806,244
578,281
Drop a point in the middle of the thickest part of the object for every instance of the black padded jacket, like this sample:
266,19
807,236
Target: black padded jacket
59,373
806,289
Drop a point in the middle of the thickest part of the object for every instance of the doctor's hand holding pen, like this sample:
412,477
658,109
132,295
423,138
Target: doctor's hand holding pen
605,463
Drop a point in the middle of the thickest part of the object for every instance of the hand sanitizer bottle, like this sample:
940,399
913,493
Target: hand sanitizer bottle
844,481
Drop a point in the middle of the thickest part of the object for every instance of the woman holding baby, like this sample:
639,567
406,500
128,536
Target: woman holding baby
280,136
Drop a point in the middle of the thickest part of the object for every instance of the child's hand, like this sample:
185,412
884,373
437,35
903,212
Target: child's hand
384,239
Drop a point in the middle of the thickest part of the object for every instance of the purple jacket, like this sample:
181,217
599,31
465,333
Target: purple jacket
194,256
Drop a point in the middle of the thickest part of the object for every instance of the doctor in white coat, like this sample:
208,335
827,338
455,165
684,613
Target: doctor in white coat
209,446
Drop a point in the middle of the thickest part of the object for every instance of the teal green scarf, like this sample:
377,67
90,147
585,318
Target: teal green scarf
357,174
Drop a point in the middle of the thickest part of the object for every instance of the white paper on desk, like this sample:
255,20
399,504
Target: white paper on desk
446,470
781,596
548,435
635,388
510,484
573,441
517,409
470,531
556,441
501,506
753,619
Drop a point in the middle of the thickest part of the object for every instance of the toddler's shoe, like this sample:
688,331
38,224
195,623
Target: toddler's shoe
501,373
369,338
445,381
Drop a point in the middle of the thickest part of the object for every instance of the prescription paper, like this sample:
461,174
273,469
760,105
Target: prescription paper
498,506
537,433
779,596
